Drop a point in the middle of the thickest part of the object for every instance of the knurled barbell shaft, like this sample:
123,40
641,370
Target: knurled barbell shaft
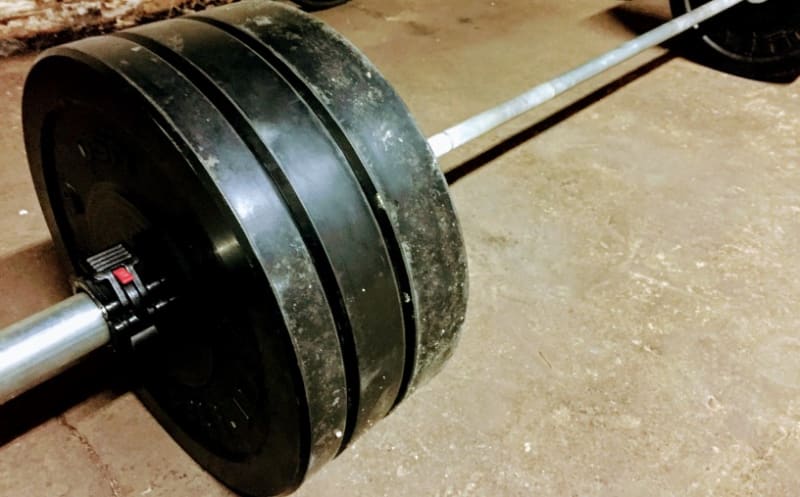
480,124
39,347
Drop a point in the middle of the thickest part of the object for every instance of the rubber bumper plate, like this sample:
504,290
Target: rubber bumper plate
388,154
292,205
755,40
249,376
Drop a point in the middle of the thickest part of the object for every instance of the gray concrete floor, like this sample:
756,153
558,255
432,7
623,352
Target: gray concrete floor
634,325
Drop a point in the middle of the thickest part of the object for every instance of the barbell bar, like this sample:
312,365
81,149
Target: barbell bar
65,342
257,227
477,125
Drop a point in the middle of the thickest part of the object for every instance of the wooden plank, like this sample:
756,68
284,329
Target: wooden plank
27,25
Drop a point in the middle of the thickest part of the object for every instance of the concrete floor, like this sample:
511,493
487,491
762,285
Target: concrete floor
634,325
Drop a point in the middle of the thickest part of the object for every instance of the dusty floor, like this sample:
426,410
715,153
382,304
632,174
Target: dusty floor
634,326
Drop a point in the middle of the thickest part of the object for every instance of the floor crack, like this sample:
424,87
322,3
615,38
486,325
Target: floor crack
94,457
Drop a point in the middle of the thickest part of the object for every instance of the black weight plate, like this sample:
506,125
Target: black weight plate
322,193
319,4
755,40
248,376
388,154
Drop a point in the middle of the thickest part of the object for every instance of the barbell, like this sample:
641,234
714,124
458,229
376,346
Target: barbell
259,230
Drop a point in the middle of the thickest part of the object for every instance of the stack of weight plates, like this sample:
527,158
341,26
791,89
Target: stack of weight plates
279,184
